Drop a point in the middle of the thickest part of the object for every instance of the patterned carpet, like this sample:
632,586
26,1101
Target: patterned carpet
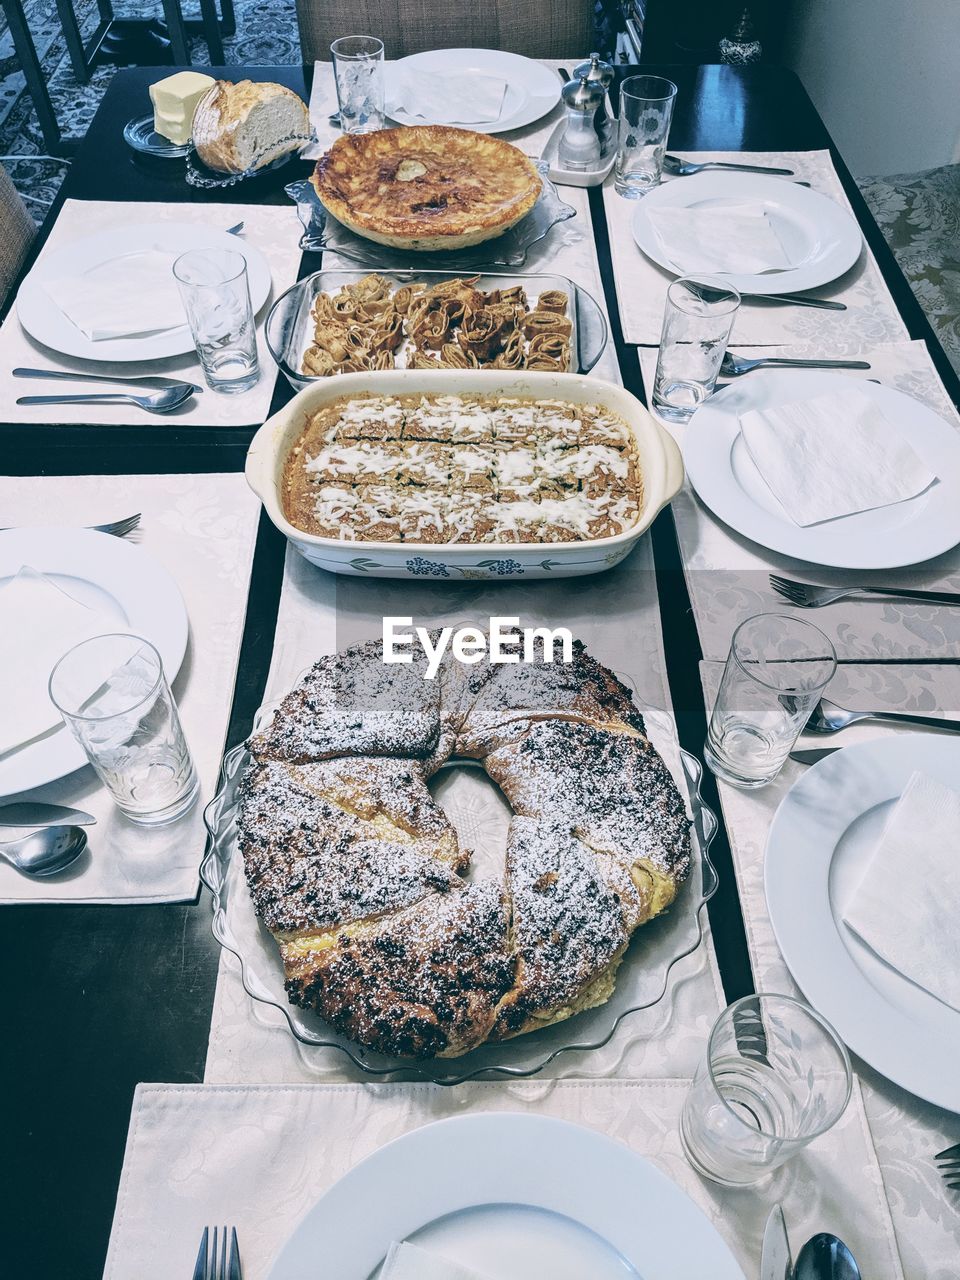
266,34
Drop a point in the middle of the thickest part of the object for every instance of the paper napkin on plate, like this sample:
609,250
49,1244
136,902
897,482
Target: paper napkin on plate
907,904
39,622
725,239
127,297
408,1262
453,98
831,456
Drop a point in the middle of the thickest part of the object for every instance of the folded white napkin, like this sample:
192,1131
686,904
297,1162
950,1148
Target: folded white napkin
831,456
127,297
439,96
408,1262
907,904
723,239
39,622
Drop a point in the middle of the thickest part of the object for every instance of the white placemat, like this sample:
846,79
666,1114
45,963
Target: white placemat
261,1157
727,576
202,528
273,229
906,1131
871,316
616,615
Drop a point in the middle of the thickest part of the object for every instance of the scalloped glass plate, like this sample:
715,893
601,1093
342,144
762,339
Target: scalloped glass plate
480,813
322,231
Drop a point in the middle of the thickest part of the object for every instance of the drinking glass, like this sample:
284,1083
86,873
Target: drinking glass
775,1077
115,700
775,672
358,71
697,321
216,297
646,109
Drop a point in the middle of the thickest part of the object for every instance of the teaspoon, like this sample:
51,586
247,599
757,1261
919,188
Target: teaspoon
824,1257
155,402
45,852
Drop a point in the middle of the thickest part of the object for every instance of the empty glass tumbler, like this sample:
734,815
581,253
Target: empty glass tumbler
216,297
115,700
698,318
358,71
775,1077
646,109
775,672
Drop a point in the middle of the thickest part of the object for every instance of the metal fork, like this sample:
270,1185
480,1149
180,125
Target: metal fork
214,1260
119,528
807,596
948,1162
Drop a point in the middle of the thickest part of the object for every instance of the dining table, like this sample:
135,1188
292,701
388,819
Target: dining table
100,998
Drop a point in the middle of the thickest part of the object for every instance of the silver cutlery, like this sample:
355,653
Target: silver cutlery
235,229
735,366
776,1262
155,402
827,717
150,381
45,852
684,168
825,1257
218,1257
31,813
118,528
796,300
814,756
948,1163
807,596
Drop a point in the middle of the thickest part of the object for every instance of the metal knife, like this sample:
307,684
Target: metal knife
811,757
28,813
776,1262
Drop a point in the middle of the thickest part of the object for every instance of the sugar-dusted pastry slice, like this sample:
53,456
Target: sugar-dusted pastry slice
362,462
599,425
471,515
331,513
472,466
517,472
376,517
423,515
370,418
423,463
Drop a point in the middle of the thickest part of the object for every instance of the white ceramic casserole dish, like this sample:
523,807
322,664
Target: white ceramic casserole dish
660,463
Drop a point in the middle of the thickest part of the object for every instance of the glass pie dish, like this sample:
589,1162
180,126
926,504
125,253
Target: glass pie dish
480,813
289,327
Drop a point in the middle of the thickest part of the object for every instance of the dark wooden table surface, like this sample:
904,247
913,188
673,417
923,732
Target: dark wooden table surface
96,999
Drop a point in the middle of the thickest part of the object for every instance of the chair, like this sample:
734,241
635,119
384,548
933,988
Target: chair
16,232
560,29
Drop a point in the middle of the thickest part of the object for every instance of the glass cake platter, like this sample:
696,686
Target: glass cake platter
322,231
480,814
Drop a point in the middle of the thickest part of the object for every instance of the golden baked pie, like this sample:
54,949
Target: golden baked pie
426,187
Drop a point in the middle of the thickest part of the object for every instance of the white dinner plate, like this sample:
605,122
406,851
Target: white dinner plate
127,585
820,237
823,835
532,89
518,1197
726,480
44,321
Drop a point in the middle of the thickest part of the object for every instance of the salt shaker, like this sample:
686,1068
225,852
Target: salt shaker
597,72
580,147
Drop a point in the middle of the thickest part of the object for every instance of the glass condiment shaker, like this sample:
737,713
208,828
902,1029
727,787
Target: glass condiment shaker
597,72
580,146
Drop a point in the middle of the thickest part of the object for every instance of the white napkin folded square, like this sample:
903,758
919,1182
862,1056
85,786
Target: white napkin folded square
440,96
408,1262
39,622
723,239
907,904
127,297
831,456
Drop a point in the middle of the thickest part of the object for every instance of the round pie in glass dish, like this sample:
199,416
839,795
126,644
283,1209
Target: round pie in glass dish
427,187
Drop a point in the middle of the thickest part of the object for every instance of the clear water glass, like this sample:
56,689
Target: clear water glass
698,319
775,672
216,297
358,71
646,109
775,1077
115,700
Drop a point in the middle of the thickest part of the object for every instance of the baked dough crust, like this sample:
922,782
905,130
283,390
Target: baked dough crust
427,186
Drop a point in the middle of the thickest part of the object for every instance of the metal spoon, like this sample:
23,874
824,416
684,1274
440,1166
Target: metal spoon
827,717
733,366
45,852
824,1257
684,168
155,402
151,381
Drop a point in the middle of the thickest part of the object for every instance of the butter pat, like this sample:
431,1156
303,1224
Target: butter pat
174,102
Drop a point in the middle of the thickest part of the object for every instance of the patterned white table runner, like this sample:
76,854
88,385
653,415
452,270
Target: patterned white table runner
906,1131
273,229
871,317
202,528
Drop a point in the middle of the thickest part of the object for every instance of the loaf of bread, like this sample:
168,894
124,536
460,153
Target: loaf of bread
243,126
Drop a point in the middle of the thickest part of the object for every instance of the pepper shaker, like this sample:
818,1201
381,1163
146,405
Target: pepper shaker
601,73
580,147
